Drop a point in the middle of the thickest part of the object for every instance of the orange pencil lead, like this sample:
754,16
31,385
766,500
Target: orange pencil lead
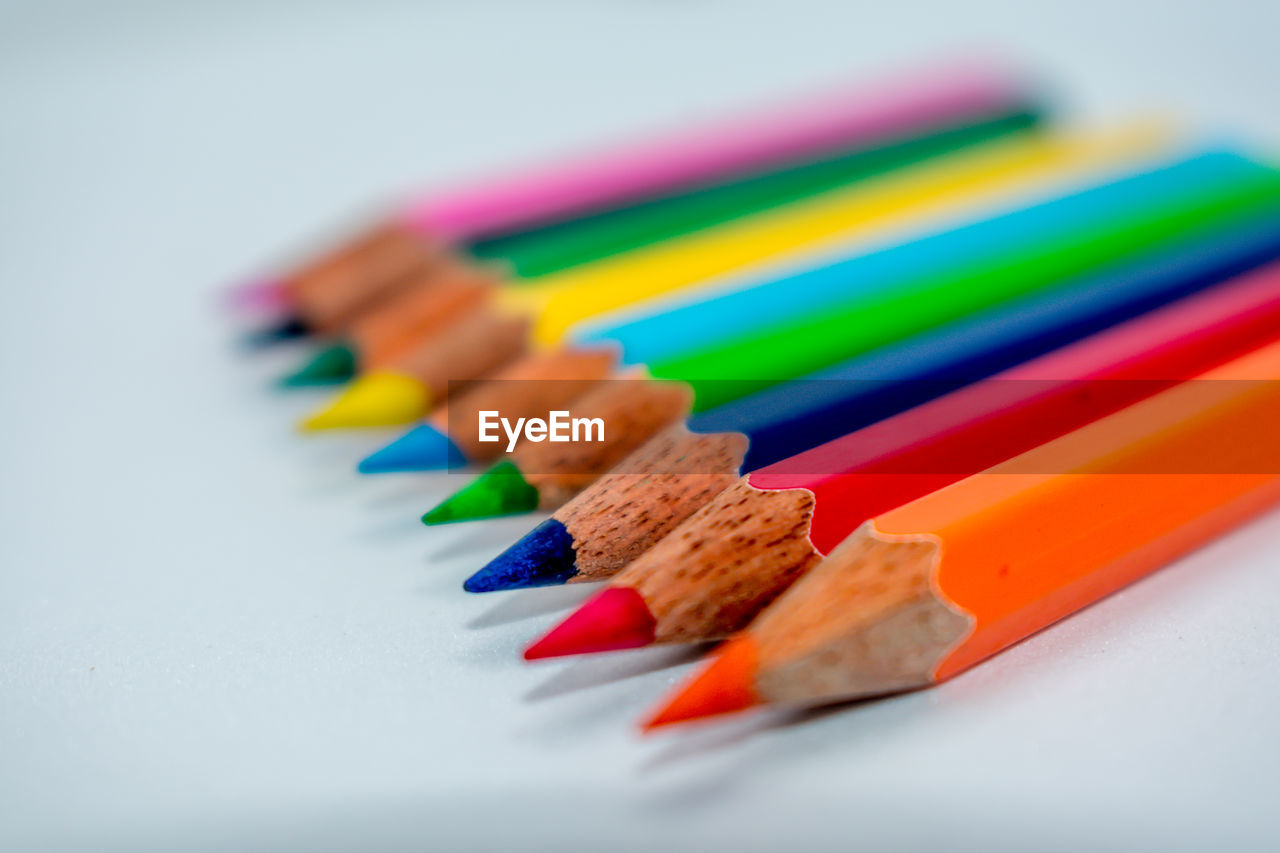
614,619
726,686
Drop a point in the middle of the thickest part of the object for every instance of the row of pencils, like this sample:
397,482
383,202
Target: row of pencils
889,379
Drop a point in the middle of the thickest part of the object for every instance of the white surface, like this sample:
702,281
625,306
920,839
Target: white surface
213,635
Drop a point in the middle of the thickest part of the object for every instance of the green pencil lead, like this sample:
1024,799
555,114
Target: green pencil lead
502,490
333,365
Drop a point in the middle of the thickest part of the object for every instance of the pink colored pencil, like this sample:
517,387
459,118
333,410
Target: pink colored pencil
769,138
794,132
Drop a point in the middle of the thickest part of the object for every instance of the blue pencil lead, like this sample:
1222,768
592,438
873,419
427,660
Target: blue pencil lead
544,557
423,448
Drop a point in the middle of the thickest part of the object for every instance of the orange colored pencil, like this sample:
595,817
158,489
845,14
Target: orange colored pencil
929,589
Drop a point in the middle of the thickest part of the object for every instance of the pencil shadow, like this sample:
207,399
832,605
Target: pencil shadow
713,736
393,528
317,482
600,670
437,585
860,719
261,387
336,450
401,491
530,603
478,538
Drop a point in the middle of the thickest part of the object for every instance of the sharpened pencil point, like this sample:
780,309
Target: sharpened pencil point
423,448
614,619
502,490
333,365
544,557
373,400
724,687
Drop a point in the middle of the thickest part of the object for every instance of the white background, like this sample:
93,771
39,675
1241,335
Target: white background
214,635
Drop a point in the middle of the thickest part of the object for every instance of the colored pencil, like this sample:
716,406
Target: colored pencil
768,359
925,591
773,525
721,315
847,329
996,178
324,291
952,184
551,250
597,534
537,253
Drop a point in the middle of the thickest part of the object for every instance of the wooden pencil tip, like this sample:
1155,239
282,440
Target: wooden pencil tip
614,619
726,686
